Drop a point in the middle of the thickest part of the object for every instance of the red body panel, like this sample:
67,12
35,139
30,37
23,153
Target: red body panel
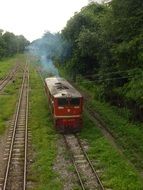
68,124
67,118
67,110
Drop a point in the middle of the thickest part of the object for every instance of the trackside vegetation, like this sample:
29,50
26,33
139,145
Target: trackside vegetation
8,101
6,65
115,171
103,43
128,135
44,139
9,95
11,44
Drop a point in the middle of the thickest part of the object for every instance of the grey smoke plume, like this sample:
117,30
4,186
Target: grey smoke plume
49,66
48,48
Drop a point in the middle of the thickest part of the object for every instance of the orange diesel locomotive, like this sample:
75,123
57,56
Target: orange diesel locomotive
66,104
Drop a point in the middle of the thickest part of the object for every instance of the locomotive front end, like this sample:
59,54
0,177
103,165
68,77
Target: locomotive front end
68,114
66,104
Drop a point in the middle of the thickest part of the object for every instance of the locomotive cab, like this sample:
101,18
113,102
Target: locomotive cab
66,103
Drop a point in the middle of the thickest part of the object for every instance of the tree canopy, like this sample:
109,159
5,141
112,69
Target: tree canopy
103,42
11,44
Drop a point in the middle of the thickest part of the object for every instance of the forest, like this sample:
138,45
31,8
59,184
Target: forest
103,43
11,44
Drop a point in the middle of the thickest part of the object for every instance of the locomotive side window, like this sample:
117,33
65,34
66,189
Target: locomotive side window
75,101
62,102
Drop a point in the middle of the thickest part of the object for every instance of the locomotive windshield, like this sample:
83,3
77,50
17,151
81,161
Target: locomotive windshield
62,102
68,102
74,101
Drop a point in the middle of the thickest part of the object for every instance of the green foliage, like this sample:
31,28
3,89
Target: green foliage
128,17
102,43
133,89
127,135
11,44
116,172
9,96
96,91
81,31
44,138
106,43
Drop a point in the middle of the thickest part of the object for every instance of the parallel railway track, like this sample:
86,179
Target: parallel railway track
17,142
6,80
87,175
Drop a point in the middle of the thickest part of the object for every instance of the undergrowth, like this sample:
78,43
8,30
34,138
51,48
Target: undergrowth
8,63
128,135
9,95
116,172
43,139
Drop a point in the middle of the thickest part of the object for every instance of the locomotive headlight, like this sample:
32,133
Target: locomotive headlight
60,107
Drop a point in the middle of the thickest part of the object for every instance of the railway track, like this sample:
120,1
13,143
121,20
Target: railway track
95,117
87,175
16,148
6,80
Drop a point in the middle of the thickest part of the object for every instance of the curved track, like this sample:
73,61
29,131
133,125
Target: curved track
16,151
87,175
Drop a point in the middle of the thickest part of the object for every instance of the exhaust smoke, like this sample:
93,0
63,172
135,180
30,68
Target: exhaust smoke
48,48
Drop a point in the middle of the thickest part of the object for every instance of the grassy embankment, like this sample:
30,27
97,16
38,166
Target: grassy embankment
9,96
128,135
8,63
44,139
118,174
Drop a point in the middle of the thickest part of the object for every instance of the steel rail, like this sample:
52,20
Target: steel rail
101,186
90,163
6,80
14,132
26,135
76,169
85,154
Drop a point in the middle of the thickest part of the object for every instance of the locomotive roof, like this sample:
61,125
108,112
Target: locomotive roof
59,87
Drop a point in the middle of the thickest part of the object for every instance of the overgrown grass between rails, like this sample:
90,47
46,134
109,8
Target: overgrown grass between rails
44,139
8,63
117,173
128,135
8,99
10,94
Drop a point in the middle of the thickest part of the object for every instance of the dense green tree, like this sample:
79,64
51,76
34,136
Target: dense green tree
11,44
21,43
103,41
81,31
